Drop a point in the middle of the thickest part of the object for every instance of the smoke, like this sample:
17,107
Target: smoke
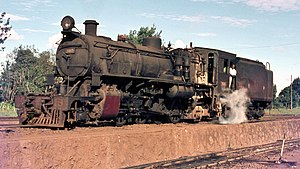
236,104
52,41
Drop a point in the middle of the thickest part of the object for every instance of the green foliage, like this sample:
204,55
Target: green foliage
7,110
5,28
6,106
283,111
26,70
284,98
137,36
275,102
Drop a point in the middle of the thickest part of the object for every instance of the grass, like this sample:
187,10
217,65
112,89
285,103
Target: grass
7,110
283,111
8,113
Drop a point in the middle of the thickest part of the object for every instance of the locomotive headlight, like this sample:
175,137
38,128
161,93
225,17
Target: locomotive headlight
67,23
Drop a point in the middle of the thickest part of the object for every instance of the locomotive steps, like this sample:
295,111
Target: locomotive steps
114,147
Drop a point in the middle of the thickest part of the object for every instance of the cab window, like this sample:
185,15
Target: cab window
225,66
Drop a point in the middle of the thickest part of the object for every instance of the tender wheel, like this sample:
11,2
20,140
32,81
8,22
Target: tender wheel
259,114
120,121
225,112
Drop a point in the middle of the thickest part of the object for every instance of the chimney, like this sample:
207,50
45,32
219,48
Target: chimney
154,42
91,27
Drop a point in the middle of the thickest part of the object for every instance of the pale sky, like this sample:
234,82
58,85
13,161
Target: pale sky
264,30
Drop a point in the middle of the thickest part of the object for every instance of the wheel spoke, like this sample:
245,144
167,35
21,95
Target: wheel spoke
140,120
120,121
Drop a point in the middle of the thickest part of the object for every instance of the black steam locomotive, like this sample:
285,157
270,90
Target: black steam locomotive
98,79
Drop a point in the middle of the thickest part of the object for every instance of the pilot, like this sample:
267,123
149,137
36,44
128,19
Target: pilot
232,77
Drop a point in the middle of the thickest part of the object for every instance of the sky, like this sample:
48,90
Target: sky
264,30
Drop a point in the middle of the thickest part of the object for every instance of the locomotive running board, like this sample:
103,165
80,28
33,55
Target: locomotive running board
54,118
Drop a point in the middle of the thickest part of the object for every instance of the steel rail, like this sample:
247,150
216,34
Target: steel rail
219,158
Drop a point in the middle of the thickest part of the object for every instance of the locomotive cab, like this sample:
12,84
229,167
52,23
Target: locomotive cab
226,61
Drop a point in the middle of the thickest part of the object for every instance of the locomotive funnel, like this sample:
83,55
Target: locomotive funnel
154,42
91,27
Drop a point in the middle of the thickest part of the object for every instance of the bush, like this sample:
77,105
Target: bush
7,110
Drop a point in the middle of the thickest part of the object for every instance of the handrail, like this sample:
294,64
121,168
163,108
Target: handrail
268,65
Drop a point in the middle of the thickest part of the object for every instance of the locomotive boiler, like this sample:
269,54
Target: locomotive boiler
98,79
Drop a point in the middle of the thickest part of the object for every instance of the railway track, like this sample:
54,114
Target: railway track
13,122
8,118
143,138
220,158
9,122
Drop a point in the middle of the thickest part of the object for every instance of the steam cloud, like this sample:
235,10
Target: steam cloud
237,102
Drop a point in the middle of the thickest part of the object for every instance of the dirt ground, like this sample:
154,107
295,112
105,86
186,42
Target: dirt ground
290,159
115,147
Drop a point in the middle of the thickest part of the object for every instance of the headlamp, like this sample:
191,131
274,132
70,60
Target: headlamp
67,23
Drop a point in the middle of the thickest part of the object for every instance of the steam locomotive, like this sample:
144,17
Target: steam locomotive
98,79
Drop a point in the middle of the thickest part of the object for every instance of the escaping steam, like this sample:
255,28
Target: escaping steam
236,102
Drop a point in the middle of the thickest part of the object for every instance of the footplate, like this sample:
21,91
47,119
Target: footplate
53,118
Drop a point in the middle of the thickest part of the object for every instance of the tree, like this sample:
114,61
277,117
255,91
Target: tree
284,97
137,36
296,92
275,101
26,70
5,29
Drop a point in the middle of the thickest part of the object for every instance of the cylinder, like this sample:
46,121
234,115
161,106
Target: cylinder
180,92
